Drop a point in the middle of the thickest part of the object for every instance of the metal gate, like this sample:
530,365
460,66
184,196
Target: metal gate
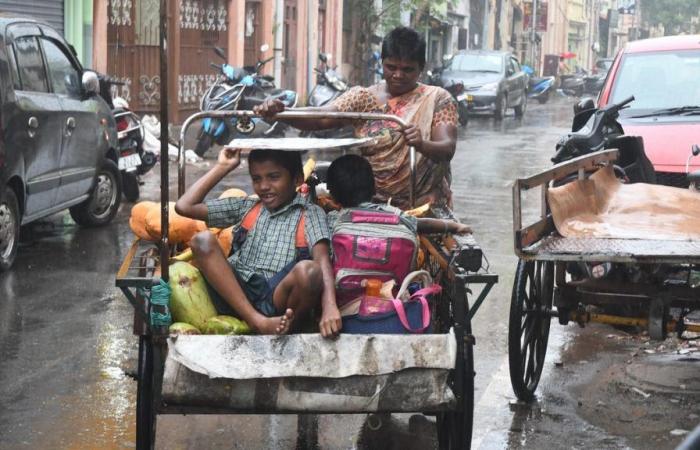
133,51
289,66
49,11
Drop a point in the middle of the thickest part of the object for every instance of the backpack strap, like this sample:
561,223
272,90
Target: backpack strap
300,237
251,217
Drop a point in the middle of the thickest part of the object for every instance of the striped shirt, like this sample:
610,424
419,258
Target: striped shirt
270,245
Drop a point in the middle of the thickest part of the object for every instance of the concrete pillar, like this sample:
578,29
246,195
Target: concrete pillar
236,28
100,19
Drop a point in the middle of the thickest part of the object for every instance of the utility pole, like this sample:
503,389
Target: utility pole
533,35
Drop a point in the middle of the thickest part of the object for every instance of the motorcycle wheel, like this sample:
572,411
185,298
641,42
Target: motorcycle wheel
463,115
130,186
204,143
543,98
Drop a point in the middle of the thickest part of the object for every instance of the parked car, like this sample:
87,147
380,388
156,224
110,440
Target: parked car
662,74
494,79
57,135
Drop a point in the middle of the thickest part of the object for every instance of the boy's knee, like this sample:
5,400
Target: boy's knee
309,273
203,243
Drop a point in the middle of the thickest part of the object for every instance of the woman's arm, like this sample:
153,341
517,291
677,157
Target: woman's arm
441,146
191,204
270,107
331,322
442,226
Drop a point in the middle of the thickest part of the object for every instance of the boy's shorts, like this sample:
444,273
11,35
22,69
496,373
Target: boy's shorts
258,290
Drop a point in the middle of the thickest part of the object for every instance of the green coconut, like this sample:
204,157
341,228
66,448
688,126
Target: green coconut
189,301
226,325
183,328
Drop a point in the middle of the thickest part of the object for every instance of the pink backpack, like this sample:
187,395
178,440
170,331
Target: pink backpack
369,244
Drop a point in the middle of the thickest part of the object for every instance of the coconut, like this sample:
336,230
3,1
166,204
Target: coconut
189,301
226,325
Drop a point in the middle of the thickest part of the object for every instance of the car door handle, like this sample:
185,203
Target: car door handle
70,125
32,126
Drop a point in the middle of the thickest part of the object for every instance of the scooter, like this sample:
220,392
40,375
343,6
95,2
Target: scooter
573,83
329,86
539,88
464,100
597,129
239,88
133,160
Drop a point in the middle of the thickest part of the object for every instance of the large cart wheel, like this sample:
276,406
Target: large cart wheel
145,416
454,428
528,329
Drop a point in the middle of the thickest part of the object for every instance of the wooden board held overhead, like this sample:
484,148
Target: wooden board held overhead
297,144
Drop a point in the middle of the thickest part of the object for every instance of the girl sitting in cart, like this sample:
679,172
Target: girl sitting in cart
280,267
430,109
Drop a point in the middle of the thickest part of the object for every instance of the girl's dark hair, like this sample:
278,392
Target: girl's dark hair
350,180
404,43
291,161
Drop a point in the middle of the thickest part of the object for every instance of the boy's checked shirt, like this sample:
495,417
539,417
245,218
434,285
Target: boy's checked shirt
270,245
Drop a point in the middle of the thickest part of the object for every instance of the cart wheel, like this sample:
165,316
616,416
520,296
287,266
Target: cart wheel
454,428
145,419
528,328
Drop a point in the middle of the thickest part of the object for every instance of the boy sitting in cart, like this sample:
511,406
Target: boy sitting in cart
350,181
280,267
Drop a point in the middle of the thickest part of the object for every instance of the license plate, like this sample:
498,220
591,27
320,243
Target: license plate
129,162
465,97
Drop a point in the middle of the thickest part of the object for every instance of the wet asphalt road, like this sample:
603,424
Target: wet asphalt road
65,330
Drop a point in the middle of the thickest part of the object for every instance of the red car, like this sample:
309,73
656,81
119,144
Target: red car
663,74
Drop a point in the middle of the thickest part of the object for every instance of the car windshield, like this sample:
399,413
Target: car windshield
476,62
660,82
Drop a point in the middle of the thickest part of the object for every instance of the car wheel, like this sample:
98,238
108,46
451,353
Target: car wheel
9,228
105,198
520,109
501,106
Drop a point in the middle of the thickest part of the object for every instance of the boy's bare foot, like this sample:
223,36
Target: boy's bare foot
276,325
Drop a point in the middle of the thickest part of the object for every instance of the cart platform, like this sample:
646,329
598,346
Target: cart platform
302,372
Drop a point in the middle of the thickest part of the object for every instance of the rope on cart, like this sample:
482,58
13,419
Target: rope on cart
160,296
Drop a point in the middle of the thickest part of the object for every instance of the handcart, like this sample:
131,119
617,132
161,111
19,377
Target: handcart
303,373
565,277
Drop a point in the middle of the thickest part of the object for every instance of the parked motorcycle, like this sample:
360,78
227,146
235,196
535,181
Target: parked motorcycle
133,160
539,88
573,83
464,100
329,86
239,89
597,129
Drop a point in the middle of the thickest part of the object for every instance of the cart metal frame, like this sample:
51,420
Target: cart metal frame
456,261
543,287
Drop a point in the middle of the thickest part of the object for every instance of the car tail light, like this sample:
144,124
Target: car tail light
122,124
